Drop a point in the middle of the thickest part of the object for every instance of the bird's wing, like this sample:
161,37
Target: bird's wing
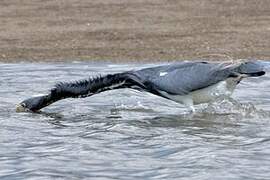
182,78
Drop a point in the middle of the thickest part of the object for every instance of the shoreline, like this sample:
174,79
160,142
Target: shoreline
133,31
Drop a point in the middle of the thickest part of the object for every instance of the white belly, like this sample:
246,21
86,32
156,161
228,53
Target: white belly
211,93
205,95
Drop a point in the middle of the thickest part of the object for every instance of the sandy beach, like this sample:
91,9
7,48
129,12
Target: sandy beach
140,30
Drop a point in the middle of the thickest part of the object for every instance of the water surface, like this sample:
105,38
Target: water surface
124,134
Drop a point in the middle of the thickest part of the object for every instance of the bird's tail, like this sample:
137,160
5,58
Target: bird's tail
251,68
80,89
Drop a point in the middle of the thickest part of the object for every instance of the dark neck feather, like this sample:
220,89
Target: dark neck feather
83,88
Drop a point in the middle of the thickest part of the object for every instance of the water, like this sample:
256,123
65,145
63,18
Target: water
124,134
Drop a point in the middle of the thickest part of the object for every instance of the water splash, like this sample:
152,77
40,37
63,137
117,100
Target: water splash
229,106
146,139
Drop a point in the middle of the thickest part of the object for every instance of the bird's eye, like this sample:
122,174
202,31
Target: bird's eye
23,105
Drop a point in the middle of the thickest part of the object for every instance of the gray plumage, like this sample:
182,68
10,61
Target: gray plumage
182,78
175,81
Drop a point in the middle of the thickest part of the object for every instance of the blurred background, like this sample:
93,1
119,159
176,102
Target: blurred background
140,30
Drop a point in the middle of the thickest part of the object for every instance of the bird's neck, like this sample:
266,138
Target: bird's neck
42,101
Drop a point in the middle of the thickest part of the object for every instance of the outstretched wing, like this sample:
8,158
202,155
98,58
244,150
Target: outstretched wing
182,78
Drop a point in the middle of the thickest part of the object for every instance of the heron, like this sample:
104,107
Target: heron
188,83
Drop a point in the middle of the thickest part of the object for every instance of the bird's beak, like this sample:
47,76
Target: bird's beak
21,108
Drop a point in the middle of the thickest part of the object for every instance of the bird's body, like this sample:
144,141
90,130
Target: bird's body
188,83
204,95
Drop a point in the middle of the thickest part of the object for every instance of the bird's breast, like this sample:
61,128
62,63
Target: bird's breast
212,92
205,95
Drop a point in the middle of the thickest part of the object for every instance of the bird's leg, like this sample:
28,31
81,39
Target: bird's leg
188,102
191,109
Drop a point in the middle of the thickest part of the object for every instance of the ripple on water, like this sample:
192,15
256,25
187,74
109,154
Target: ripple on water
129,135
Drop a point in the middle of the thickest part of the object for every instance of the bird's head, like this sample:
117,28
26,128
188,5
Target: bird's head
31,104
